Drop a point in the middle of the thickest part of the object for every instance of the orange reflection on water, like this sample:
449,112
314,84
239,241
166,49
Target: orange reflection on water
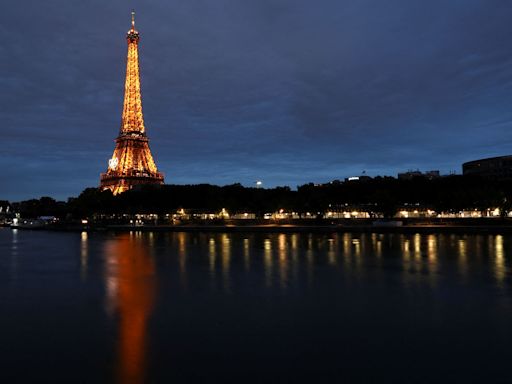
347,251
247,255
283,260
357,251
182,257
406,249
378,245
226,260
417,246
432,250
499,262
433,262
211,256
463,257
131,288
331,252
267,261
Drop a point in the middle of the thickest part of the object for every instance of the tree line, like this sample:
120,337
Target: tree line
379,195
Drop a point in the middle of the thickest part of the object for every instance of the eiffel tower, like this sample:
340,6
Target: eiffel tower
132,162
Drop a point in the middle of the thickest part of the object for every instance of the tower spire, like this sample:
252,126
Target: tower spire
132,119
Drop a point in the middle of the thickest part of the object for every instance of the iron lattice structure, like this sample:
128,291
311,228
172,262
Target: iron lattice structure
132,162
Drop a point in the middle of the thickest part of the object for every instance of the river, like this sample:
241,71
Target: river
223,307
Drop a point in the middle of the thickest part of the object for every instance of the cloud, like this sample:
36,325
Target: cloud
235,91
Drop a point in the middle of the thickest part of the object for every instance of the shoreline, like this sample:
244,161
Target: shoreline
285,228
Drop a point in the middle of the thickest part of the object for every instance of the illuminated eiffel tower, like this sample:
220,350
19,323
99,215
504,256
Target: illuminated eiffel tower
132,162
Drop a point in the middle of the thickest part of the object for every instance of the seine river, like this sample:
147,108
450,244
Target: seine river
224,307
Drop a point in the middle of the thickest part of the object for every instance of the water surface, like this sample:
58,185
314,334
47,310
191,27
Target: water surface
212,307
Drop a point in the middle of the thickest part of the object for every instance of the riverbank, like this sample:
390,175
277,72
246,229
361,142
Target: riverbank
496,226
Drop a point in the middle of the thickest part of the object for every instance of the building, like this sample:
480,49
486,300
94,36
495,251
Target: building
132,163
496,167
412,174
358,178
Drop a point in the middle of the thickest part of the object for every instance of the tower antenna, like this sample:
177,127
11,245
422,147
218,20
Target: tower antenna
133,19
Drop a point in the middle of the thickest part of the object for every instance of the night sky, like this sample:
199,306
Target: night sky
284,91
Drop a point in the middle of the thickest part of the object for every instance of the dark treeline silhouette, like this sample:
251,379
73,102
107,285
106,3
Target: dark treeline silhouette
380,195
45,206
168,198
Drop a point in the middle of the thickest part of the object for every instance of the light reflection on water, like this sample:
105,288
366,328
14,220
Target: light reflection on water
285,258
212,254
500,267
247,255
154,284
268,264
130,280
130,275
14,255
84,254
182,257
226,260
462,257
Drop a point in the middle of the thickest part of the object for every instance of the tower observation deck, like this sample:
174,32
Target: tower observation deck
131,163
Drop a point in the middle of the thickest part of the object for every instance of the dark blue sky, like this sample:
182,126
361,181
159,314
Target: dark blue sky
286,91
